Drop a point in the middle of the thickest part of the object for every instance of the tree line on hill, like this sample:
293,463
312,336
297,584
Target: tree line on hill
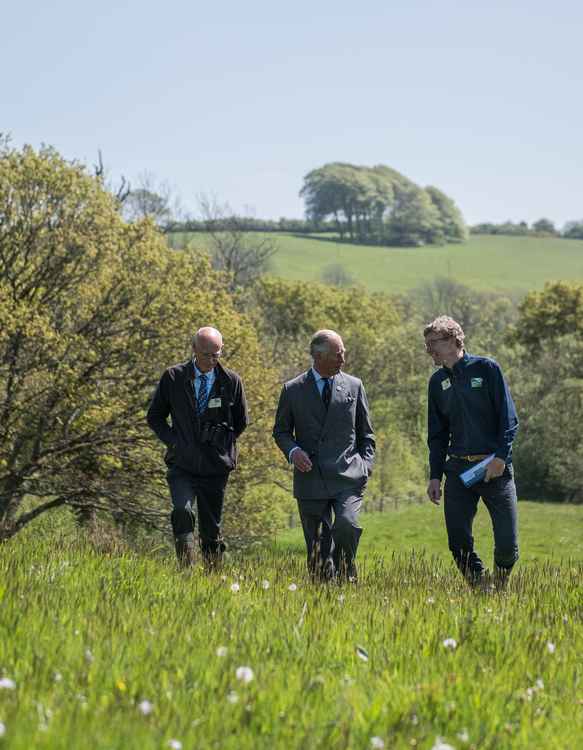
573,230
90,319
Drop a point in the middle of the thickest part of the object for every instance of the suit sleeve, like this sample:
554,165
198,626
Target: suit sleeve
284,427
365,441
159,410
240,411
437,437
505,411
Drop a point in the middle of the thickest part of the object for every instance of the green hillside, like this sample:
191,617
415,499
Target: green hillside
493,263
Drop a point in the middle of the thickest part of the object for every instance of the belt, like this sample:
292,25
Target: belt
475,457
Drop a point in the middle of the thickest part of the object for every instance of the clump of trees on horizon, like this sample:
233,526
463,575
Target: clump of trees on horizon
379,205
573,230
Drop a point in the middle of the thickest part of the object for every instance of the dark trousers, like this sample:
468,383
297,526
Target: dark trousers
209,495
332,533
461,506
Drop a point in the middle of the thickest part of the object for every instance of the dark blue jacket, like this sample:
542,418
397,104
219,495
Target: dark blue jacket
470,412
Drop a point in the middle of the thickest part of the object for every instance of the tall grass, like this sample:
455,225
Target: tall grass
125,651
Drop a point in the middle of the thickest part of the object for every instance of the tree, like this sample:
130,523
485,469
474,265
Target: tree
151,199
414,220
556,311
243,256
544,227
452,227
89,311
573,230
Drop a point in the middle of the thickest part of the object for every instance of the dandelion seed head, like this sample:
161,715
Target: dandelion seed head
2,729
441,745
88,655
551,648
292,587
235,587
175,744
7,684
232,697
222,651
145,707
450,643
265,585
539,684
244,674
463,736
430,600
377,743
58,677
341,598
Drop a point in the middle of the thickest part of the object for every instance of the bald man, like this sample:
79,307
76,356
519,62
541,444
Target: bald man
208,411
323,428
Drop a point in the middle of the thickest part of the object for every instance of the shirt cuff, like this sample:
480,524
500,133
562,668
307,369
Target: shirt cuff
289,455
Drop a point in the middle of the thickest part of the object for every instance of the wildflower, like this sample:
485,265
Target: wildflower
235,587
565,618
7,683
551,648
244,674
175,744
121,686
58,677
450,643
265,585
539,684
145,707
2,729
88,656
430,600
232,697
441,745
377,743
341,598
362,653
463,736
292,587
222,651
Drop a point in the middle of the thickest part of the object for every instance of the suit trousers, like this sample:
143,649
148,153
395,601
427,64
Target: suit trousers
208,493
461,506
331,532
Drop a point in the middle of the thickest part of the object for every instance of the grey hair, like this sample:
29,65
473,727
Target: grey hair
320,342
446,326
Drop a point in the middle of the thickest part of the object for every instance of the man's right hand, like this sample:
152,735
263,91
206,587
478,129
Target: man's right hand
301,460
434,491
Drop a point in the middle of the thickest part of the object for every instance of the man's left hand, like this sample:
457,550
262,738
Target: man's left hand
494,469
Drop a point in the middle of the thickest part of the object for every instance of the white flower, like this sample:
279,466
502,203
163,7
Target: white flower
565,618
551,648
265,585
7,683
377,743
341,598
539,684
244,674
450,643
463,736
2,729
88,656
235,587
430,600
58,677
222,651
145,707
175,744
232,697
362,653
292,587
441,745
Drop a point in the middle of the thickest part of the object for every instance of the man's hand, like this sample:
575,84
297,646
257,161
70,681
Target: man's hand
434,491
301,460
494,469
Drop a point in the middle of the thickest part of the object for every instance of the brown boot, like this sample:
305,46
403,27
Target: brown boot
185,551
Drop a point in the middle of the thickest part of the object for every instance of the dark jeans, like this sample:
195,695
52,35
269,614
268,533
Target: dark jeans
209,494
332,533
461,506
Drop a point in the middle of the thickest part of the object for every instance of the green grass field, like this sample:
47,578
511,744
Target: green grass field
106,651
488,263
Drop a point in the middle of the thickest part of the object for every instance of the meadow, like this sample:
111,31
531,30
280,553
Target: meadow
487,263
122,650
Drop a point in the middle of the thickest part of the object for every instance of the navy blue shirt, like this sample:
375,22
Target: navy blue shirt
470,412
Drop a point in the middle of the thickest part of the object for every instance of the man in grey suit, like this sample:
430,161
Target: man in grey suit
323,428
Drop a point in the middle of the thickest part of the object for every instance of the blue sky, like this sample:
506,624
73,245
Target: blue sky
241,99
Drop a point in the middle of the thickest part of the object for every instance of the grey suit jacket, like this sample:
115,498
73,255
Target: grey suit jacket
339,441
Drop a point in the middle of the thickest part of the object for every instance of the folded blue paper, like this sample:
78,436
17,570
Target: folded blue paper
477,472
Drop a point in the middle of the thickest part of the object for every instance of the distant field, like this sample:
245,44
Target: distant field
511,264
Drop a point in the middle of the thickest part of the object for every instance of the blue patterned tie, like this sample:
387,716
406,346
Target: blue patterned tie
202,395
326,392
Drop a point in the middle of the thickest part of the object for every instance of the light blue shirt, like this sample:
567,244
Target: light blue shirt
320,380
210,380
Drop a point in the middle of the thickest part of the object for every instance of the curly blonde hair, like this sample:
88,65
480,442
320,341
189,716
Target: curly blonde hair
446,326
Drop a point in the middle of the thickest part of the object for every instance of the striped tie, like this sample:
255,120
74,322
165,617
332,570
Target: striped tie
202,395
326,392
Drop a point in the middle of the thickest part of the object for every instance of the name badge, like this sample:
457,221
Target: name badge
445,384
476,382
214,403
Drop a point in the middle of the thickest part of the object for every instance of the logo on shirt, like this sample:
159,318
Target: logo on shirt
476,382
445,384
